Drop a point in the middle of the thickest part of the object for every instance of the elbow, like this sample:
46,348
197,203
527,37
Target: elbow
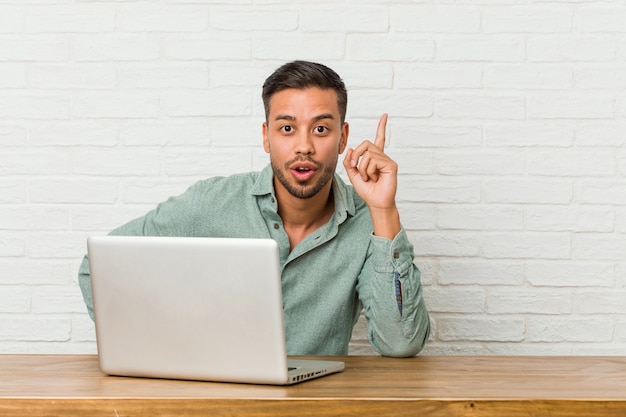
405,347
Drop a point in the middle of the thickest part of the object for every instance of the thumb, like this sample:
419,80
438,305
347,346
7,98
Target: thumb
349,164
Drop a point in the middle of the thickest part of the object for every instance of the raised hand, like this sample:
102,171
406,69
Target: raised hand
374,176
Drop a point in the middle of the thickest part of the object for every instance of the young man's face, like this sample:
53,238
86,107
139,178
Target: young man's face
304,136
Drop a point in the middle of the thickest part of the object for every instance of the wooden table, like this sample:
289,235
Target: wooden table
66,385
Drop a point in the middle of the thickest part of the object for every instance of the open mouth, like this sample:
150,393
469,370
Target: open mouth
303,171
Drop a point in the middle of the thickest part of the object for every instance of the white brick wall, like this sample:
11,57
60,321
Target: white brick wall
507,117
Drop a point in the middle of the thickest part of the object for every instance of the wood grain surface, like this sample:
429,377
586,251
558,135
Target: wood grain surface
67,385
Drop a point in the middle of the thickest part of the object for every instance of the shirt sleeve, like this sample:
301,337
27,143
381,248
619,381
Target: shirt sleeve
84,280
173,217
390,290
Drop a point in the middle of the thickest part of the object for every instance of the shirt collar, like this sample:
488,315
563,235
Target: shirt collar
344,198
265,182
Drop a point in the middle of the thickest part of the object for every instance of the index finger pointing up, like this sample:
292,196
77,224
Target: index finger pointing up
380,132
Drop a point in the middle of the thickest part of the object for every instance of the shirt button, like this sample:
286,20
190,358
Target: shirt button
273,201
276,226
396,255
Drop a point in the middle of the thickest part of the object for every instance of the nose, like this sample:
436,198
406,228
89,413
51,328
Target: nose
304,144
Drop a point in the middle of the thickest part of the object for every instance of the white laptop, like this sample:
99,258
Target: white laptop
206,309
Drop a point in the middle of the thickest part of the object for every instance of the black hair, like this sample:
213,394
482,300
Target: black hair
301,75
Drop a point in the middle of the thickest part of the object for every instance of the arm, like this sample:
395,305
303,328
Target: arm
397,326
170,218
374,177
137,227
389,286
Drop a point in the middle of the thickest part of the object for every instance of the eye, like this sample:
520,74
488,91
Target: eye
287,129
321,129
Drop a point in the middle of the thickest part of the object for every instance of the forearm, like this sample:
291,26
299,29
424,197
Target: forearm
133,228
84,280
156,222
386,222
396,327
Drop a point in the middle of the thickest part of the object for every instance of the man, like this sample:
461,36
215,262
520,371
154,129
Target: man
342,249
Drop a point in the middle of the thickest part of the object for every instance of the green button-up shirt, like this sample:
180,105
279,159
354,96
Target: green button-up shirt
327,279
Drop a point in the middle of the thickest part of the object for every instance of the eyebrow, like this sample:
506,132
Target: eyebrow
315,119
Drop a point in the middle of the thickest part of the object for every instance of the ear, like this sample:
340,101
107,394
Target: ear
345,130
266,140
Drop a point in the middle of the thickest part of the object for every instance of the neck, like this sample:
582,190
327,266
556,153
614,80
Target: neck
304,212
303,216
